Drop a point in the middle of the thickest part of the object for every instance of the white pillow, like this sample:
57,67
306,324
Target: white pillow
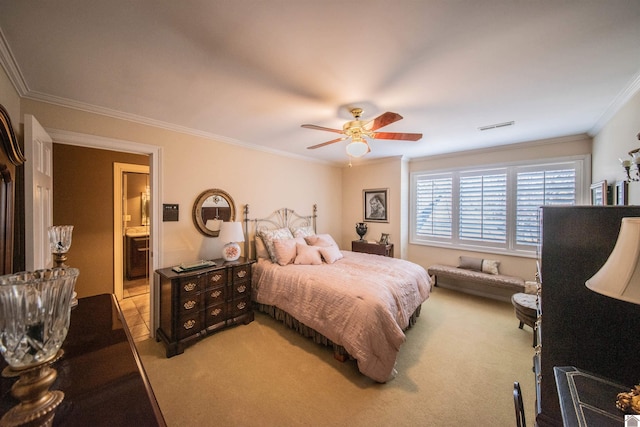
330,254
268,236
307,255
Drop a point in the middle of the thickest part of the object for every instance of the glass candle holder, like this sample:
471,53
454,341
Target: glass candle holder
35,309
60,243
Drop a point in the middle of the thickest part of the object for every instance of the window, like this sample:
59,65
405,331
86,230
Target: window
492,209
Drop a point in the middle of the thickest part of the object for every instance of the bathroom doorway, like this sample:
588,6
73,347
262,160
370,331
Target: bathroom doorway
132,202
136,225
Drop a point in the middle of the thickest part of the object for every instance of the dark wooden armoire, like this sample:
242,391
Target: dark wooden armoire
580,327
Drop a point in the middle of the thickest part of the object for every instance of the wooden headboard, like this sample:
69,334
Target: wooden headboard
10,157
280,218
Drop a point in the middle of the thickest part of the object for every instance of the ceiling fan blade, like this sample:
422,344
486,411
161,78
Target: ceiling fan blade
397,136
382,120
333,141
322,128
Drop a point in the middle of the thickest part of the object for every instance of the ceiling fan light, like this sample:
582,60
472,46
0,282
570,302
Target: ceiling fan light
357,148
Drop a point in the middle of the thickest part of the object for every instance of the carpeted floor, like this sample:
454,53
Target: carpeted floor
456,368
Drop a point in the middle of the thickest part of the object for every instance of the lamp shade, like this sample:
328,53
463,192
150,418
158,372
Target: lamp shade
231,232
619,277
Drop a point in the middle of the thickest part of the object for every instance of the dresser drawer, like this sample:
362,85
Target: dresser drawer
191,285
190,303
190,324
216,278
215,295
240,289
215,314
241,273
240,306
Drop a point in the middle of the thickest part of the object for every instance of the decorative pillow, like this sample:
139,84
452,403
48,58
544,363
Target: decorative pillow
268,236
261,249
490,266
303,231
470,263
307,255
320,240
330,254
285,250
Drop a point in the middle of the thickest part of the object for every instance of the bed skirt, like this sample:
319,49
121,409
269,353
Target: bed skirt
291,322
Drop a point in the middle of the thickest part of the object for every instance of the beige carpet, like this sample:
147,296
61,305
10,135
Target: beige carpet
456,368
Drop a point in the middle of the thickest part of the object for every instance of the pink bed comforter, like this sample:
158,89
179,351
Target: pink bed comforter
362,302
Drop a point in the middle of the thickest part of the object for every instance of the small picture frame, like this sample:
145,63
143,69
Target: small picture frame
622,193
599,193
375,205
384,239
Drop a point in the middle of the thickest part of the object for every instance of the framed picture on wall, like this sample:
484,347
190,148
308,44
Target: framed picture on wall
375,205
622,193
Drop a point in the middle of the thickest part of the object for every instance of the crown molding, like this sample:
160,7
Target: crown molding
618,102
10,66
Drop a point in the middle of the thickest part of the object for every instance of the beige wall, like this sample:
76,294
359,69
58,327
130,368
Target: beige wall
83,197
613,142
394,174
192,164
385,173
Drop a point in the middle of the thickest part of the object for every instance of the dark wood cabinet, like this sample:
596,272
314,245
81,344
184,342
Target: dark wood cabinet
137,256
579,327
196,303
372,248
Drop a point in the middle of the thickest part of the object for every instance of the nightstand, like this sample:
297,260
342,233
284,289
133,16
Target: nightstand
372,248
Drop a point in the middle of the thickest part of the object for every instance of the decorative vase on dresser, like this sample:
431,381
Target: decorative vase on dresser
579,327
199,302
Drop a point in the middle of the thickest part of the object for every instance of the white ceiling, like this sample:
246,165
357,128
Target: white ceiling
252,71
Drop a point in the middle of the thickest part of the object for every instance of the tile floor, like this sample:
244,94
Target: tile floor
135,308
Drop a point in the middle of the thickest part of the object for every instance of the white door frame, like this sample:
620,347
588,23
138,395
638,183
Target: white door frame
155,175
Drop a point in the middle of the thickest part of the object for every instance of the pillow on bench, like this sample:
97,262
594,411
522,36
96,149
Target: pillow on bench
488,266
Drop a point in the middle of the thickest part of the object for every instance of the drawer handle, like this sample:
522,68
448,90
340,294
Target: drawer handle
216,311
241,305
189,324
216,277
189,305
242,273
189,286
216,294
241,289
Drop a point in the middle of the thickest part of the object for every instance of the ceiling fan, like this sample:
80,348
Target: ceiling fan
358,129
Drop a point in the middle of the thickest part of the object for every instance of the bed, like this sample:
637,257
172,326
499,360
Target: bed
359,304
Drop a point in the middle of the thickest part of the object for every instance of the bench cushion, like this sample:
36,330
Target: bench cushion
497,286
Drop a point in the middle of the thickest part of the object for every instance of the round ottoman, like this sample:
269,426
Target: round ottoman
525,306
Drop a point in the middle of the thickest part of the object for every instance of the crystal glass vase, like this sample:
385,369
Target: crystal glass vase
34,320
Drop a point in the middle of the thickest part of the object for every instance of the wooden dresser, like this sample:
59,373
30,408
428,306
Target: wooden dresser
196,303
372,248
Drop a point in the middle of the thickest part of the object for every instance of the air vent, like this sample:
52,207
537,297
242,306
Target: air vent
496,126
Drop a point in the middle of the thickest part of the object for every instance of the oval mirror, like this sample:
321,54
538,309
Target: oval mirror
211,208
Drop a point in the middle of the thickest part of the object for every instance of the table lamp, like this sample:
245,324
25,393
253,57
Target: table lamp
619,278
230,234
